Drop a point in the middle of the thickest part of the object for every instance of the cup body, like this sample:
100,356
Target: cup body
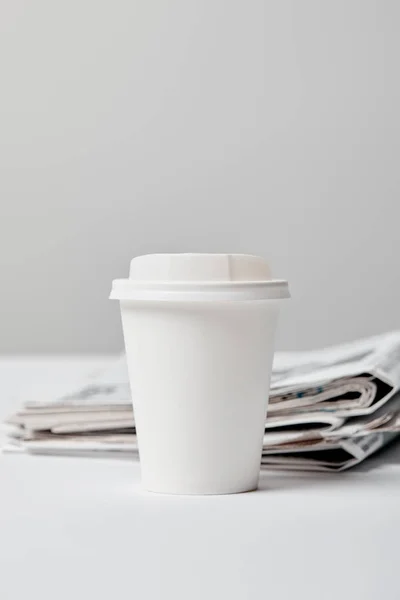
200,375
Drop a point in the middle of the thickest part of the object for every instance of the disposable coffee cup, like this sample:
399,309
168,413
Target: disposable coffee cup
199,336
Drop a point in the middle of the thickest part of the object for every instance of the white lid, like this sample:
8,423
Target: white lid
199,277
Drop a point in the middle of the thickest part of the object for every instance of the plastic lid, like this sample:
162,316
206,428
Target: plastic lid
199,277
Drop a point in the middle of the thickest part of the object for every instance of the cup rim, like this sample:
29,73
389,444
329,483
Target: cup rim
128,289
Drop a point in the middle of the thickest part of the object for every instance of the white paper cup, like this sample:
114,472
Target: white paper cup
199,338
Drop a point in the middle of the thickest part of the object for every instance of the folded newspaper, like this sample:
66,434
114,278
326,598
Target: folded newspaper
329,410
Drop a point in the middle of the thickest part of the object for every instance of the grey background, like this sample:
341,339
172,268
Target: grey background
129,127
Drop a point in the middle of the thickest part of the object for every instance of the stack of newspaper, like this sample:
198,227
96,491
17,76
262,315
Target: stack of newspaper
329,410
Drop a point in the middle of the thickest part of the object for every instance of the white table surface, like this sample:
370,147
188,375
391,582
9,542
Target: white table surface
74,528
